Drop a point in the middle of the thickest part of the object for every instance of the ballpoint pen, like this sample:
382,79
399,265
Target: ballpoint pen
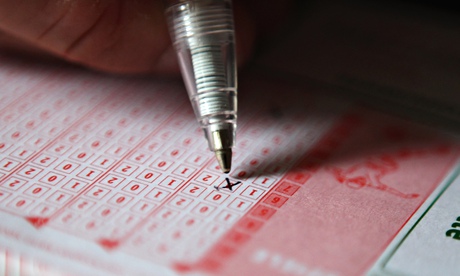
202,33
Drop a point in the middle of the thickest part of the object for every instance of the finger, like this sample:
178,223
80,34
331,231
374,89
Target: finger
110,35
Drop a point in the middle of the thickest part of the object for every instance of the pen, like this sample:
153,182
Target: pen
202,33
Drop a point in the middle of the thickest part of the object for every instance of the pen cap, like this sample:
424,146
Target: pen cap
203,35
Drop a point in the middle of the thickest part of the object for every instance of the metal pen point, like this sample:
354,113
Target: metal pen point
203,34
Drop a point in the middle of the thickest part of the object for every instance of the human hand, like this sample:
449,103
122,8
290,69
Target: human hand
115,35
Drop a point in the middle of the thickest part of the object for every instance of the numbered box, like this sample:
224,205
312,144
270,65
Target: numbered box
8,164
30,124
227,187
154,225
44,160
75,185
108,132
67,167
143,207
171,183
37,141
152,146
80,155
126,169
52,131
120,200
265,181
203,209
166,214
240,204
287,188
157,194
252,192
139,157
83,205
13,183
59,197
148,176
29,172
184,171
215,230
88,126
130,139
227,217
103,162
127,220
73,137
248,224
180,202
196,159
134,187
189,142
20,203
206,178
36,191
59,149
124,122
90,225
174,153
89,173
275,200
43,210
240,174
105,212
237,237
52,178
165,135
161,164
276,169
216,197
117,150
214,167
97,192
252,163
66,218
22,153
15,135
190,222
194,190
94,145
263,212
298,177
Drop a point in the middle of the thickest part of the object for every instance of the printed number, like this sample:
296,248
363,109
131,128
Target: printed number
454,233
30,171
44,160
12,184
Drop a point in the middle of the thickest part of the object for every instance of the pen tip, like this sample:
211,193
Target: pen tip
224,158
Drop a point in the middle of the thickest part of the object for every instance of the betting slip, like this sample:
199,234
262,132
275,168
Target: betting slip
112,176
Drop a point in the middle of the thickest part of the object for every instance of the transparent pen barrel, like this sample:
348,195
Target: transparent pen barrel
203,35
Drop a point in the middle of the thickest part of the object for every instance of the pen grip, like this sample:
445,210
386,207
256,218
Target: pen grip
203,36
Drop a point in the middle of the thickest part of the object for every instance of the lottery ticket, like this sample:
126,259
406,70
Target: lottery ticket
107,176
428,244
